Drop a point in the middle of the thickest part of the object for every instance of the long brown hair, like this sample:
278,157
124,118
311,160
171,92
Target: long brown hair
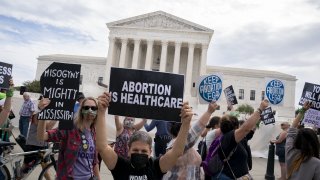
308,144
80,118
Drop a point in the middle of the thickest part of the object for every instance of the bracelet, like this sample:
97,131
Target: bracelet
259,110
9,93
302,110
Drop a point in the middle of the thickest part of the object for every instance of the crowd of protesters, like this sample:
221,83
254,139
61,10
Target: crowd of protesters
175,155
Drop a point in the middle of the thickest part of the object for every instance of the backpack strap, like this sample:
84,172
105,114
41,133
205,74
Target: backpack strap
227,158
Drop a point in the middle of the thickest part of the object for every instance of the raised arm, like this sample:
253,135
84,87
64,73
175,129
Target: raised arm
168,160
150,126
206,116
249,124
139,125
300,115
42,134
119,125
107,153
7,104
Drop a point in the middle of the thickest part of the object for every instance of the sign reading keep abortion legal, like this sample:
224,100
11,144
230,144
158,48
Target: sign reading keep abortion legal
275,91
60,83
5,74
209,88
146,94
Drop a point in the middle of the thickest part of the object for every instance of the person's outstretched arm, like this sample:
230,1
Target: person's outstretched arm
7,104
249,124
139,125
42,134
168,160
107,153
119,125
206,116
150,126
300,115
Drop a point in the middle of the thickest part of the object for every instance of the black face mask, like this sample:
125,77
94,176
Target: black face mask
139,161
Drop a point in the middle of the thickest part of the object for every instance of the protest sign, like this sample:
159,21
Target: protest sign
5,75
209,88
60,83
311,92
146,94
312,117
230,95
267,116
275,91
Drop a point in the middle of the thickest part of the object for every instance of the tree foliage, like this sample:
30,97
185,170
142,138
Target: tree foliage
245,109
32,86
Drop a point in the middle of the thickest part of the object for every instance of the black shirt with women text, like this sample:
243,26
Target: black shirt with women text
124,171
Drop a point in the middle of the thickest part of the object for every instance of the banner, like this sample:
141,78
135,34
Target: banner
312,117
275,91
60,83
230,95
5,75
267,116
311,92
146,94
209,88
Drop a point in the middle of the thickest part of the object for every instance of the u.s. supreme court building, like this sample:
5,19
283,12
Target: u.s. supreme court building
159,41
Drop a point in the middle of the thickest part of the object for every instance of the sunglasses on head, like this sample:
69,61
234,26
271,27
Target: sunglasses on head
93,108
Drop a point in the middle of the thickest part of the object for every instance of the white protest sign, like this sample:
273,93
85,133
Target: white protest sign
312,117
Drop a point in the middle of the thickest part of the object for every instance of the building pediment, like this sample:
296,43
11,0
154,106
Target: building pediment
159,20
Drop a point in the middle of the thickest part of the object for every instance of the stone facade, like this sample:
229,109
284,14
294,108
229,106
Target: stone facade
159,41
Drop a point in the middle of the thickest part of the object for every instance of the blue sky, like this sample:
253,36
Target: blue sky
269,35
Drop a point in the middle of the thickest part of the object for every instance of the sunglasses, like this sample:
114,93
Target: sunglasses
93,108
84,141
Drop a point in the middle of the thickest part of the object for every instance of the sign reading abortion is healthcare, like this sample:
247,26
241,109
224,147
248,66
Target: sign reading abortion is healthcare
267,116
230,95
146,94
275,91
5,75
60,83
311,92
210,88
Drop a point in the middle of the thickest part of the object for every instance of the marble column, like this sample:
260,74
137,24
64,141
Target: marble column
124,43
136,53
163,60
109,59
176,61
148,63
203,62
189,69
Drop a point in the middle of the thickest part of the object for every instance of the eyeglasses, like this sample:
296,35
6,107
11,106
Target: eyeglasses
93,108
84,141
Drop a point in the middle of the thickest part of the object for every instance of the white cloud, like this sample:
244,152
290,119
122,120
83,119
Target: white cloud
275,35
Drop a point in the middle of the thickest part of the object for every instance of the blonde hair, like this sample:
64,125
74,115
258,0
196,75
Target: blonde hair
79,121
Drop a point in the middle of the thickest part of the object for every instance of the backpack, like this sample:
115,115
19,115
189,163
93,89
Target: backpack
212,163
202,149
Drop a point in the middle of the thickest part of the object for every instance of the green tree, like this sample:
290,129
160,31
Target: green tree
32,86
245,109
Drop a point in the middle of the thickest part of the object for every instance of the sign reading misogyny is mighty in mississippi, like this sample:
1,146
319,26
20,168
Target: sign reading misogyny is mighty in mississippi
146,94
60,83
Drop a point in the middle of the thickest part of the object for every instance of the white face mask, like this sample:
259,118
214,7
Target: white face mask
128,122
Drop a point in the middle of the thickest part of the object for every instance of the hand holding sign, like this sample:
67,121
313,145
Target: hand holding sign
43,103
103,101
212,107
186,113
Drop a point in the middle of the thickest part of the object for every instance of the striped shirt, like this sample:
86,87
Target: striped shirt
27,108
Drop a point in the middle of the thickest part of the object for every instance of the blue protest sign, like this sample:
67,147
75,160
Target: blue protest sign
275,91
210,88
